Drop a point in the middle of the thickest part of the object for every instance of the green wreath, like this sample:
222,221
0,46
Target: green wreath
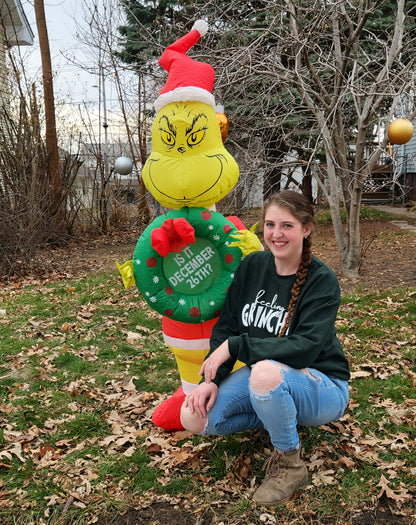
188,285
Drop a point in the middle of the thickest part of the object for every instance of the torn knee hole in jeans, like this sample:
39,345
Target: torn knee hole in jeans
309,373
204,430
265,381
264,385
262,390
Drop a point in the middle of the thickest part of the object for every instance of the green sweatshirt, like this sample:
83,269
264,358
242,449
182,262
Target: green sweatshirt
255,310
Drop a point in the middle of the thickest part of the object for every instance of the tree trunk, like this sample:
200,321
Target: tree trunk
53,173
307,184
142,205
272,182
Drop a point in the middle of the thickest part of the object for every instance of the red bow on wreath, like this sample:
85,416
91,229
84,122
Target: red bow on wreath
172,236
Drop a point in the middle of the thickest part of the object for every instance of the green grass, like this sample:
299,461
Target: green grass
366,212
76,399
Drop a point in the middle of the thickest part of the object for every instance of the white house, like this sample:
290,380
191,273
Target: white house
14,31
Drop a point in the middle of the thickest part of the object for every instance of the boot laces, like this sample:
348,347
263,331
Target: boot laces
273,465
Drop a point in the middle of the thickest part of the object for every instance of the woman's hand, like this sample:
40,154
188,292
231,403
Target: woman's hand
202,399
214,361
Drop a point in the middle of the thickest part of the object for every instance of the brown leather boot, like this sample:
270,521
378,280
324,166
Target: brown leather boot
285,472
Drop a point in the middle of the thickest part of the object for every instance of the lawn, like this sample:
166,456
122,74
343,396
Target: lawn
83,365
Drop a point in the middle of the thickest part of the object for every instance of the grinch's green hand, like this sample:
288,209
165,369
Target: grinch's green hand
247,241
126,271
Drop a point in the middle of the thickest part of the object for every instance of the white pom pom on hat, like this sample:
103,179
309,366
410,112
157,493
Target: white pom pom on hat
201,26
188,80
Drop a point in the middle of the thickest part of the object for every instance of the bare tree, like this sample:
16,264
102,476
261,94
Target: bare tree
366,78
99,38
26,220
320,76
54,175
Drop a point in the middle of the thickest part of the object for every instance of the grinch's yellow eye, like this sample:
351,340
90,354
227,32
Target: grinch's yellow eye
195,137
167,137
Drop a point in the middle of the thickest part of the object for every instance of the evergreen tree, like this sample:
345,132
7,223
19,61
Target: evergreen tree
150,27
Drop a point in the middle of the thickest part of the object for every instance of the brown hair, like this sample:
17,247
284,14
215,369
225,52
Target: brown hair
299,206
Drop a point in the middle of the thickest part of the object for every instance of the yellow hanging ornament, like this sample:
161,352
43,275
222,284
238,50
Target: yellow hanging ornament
400,131
222,121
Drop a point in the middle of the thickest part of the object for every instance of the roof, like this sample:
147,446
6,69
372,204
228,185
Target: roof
17,29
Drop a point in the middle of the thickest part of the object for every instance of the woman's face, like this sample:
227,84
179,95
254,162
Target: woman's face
283,235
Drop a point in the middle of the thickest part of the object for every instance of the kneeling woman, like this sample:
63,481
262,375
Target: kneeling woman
279,319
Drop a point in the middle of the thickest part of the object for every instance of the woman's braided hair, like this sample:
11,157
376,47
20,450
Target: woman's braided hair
299,206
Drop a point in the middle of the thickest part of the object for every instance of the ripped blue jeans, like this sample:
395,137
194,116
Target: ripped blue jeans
307,399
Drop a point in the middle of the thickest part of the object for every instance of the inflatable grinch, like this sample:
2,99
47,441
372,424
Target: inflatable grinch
185,260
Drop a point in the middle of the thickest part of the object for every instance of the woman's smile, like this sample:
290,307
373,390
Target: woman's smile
283,235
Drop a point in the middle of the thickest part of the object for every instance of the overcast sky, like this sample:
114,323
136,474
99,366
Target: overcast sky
73,86
61,20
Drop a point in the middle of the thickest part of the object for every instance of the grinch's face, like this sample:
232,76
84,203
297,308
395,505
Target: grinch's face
189,165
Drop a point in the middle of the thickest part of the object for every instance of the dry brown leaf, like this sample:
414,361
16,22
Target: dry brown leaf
129,452
267,519
325,477
242,469
154,448
181,435
45,449
399,496
128,384
348,462
224,488
359,373
54,499
133,337
316,464
16,450
6,502
410,374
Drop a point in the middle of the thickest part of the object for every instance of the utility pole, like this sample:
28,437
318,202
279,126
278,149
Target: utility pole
53,172
105,149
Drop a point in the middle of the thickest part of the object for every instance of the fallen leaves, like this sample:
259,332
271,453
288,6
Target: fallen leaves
373,443
14,450
325,477
125,404
143,334
403,413
123,435
167,457
399,496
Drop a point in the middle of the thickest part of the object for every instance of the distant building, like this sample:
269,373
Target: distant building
393,179
96,166
14,31
405,176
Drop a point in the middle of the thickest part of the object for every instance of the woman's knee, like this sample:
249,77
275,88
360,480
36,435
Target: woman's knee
192,421
265,377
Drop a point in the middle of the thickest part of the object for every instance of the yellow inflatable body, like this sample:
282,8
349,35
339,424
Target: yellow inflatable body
189,167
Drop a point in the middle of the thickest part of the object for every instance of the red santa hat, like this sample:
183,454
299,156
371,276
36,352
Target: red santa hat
187,78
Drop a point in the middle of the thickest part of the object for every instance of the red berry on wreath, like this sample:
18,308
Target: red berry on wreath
151,262
229,258
206,215
194,311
